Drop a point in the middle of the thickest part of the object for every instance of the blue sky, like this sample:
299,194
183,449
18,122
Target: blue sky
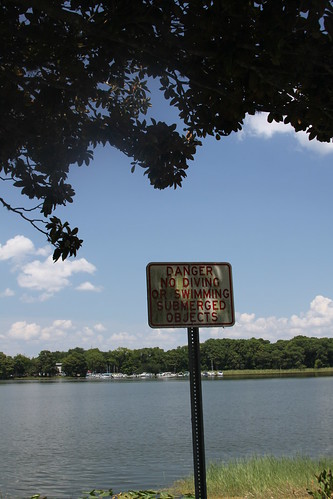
260,199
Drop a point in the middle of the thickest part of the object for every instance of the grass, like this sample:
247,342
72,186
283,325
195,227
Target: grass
259,478
324,371
255,478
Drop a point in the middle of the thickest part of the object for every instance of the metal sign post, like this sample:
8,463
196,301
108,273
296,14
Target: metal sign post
191,295
197,413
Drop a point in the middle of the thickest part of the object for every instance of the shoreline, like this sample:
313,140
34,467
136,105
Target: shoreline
323,371
263,477
228,374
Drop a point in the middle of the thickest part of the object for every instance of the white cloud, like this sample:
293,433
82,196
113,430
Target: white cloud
41,273
23,331
258,126
16,247
317,321
26,298
43,251
51,276
57,330
90,337
123,339
24,337
88,332
88,286
7,292
64,324
99,327
322,148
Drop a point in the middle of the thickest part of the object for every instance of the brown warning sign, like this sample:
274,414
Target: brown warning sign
190,295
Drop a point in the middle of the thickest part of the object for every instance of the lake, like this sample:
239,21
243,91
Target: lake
62,437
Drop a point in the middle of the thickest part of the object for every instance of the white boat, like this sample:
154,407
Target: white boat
146,375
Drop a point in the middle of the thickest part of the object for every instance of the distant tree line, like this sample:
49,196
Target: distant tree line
216,354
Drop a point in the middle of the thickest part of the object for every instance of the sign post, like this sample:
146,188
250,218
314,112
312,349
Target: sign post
191,295
198,441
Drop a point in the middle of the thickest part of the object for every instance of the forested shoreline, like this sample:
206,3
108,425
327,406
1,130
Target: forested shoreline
224,354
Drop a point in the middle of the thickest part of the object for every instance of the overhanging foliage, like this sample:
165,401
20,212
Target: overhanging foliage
74,74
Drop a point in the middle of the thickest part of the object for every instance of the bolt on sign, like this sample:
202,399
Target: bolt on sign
190,295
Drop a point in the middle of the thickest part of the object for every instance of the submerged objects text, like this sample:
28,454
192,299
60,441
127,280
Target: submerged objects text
190,295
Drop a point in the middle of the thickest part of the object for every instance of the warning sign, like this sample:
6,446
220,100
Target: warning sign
190,295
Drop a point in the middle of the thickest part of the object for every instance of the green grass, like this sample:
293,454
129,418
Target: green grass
325,371
255,478
260,478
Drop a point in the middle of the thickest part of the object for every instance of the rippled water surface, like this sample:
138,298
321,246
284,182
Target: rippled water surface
61,437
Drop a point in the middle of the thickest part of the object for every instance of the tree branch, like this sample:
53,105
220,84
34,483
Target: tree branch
19,211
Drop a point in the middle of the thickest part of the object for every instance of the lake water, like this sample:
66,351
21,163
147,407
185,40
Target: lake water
62,437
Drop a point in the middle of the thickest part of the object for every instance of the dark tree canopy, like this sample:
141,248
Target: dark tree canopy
75,74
